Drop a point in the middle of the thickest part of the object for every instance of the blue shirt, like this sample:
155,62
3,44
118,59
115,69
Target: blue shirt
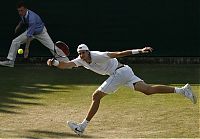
35,24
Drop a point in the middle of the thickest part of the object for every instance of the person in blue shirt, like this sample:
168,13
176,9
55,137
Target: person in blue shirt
35,29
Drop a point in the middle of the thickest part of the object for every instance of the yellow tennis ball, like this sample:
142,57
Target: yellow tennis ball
20,51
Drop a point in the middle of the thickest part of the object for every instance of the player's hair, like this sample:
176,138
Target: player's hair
21,4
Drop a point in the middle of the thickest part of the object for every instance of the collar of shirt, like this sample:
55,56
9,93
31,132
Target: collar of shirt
26,14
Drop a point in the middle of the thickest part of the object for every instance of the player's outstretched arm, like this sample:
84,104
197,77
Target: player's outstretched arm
129,52
60,64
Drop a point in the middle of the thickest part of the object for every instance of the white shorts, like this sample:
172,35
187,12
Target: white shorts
122,77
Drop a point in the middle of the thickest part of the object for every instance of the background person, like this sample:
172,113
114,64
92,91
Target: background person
35,29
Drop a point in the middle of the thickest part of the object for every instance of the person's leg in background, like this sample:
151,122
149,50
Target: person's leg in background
46,40
15,45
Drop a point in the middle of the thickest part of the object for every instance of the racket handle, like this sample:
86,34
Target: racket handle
54,62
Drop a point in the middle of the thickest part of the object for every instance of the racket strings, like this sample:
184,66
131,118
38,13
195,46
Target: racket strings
60,52
61,49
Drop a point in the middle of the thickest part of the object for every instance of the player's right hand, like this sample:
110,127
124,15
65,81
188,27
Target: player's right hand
50,62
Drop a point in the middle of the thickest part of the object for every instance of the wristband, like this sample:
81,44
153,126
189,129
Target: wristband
135,51
55,63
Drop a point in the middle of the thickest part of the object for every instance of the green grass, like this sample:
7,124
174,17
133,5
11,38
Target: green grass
36,101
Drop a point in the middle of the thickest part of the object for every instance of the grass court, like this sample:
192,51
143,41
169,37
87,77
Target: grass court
36,101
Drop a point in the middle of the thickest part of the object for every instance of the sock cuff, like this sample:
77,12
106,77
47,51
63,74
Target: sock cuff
86,121
177,90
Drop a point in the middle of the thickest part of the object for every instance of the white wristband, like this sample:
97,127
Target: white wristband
135,51
55,63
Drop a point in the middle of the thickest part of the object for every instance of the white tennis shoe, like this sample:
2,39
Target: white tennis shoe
187,92
7,63
76,127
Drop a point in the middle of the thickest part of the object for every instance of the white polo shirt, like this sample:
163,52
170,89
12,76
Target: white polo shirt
101,63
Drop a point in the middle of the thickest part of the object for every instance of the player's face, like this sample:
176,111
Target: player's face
84,55
22,11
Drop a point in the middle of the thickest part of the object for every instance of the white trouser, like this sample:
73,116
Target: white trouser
121,77
43,37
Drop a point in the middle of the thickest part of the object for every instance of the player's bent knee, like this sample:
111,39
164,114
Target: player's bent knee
144,88
148,91
15,42
97,95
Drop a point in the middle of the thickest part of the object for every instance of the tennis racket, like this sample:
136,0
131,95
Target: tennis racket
61,50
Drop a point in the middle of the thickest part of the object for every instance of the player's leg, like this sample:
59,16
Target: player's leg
79,128
163,89
140,85
96,98
46,40
108,86
13,50
148,89
153,89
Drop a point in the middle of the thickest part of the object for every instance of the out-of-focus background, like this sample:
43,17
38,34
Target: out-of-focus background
171,26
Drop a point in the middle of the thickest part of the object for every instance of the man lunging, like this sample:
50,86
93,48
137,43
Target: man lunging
105,63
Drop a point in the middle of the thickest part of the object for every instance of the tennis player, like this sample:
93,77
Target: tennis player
35,29
105,63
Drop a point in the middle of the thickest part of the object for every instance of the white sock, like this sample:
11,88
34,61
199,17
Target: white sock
178,90
84,123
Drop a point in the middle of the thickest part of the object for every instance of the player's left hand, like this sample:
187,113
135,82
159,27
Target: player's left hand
50,61
146,50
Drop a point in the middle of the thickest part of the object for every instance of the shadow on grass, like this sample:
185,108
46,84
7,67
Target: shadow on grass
23,85
50,134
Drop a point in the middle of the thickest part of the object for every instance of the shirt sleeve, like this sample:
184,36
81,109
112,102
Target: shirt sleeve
104,54
31,29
